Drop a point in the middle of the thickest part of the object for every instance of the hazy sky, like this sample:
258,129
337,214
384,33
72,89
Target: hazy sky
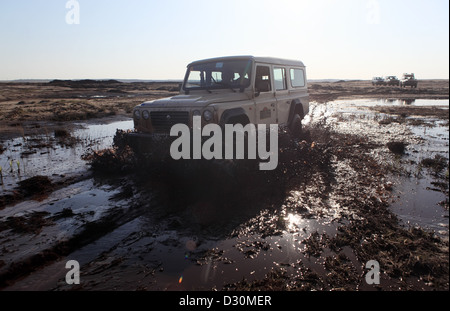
137,39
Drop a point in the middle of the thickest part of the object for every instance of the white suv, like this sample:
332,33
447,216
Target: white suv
231,90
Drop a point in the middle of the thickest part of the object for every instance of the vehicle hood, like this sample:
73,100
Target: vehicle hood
194,100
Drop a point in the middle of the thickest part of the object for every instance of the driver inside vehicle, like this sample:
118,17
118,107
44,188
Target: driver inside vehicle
227,77
243,80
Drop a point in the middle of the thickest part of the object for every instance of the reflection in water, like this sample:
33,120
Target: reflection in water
441,103
426,137
46,155
409,101
293,221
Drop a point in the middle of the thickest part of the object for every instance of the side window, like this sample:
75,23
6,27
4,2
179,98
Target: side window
297,77
279,77
263,81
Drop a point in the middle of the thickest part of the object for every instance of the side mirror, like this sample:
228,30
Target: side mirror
257,93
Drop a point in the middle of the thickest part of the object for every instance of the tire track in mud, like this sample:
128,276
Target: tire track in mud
305,164
209,200
91,232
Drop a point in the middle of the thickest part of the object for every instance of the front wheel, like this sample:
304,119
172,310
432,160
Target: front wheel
296,127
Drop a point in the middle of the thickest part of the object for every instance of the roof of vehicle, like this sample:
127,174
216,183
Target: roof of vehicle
267,60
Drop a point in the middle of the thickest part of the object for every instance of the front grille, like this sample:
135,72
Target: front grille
162,121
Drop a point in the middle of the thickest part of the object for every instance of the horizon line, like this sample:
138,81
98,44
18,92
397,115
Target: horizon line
168,80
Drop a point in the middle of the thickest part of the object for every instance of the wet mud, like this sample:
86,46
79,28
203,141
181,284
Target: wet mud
338,198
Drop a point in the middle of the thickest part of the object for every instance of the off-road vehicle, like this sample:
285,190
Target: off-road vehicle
231,90
408,80
378,81
392,80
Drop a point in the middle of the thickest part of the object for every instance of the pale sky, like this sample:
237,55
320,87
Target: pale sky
137,39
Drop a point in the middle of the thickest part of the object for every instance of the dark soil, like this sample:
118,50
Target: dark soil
36,185
62,133
405,111
33,187
85,83
36,188
437,164
397,147
31,223
373,233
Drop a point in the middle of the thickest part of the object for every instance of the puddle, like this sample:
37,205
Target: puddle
441,103
47,155
417,205
417,201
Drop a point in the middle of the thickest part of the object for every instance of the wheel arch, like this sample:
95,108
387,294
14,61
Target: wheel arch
233,115
296,108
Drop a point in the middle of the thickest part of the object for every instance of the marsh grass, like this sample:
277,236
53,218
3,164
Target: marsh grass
437,164
61,133
397,147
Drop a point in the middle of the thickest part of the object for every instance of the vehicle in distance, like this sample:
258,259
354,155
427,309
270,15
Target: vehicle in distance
231,90
392,80
378,81
408,79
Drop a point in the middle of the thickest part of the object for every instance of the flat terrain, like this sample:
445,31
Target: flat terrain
368,181
59,101
427,89
32,106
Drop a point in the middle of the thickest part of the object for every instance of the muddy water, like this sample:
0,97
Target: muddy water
416,198
55,157
417,201
441,103
144,238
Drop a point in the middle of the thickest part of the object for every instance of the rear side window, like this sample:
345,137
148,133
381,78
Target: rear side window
297,77
279,77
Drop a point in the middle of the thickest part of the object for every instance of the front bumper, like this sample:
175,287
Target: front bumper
157,145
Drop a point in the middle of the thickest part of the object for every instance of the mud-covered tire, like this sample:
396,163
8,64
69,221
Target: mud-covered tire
296,127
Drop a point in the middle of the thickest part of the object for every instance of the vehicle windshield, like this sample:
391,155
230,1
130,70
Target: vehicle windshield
227,74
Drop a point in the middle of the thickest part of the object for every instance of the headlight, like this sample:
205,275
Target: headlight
137,114
196,113
207,115
145,114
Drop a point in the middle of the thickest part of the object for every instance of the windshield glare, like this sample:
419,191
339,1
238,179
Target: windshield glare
219,75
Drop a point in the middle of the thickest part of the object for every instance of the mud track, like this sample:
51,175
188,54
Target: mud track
193,208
